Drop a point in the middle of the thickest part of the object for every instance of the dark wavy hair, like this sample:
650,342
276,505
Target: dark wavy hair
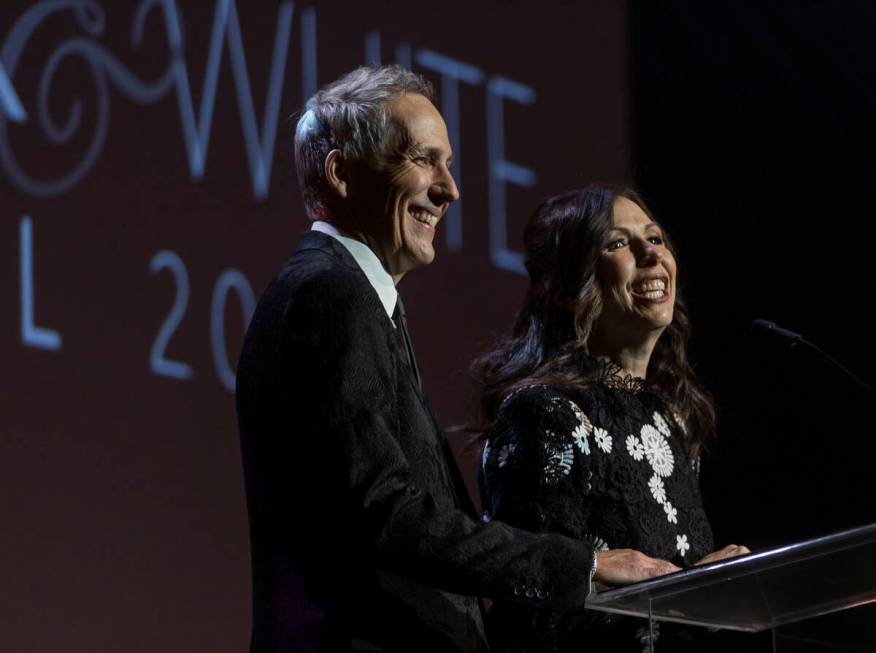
549,343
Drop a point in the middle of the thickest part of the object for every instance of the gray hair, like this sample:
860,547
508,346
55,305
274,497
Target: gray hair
349,115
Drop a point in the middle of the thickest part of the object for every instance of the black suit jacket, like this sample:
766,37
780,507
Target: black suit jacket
362,536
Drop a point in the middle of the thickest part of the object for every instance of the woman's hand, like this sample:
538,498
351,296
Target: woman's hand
626,566
729,551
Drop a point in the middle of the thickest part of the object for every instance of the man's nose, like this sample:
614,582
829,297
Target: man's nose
444,188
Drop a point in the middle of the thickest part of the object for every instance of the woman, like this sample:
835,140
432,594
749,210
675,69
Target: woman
593,417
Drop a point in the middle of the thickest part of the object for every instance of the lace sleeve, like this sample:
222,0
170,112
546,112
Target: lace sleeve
536,463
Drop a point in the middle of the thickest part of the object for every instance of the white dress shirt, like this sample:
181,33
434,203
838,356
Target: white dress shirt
377,275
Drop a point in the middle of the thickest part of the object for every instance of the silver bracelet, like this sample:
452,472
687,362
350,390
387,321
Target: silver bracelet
593,566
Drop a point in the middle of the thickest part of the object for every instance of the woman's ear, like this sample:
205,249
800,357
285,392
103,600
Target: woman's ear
336,173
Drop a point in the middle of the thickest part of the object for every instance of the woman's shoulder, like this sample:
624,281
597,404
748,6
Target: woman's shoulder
533,393
542,405
535,396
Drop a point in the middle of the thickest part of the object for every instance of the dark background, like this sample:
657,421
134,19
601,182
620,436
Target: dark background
753,141
747,126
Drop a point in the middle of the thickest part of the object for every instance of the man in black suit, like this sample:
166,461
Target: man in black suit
363,536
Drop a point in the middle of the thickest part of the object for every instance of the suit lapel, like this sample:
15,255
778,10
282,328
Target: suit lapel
325,243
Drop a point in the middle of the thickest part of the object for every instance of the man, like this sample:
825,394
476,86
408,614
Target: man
363,538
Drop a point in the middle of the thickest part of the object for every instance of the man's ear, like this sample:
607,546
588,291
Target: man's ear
336,172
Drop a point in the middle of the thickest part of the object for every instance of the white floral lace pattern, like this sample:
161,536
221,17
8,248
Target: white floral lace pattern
602,438
658,490
635,448
671,512
657,450
602,453
579,414
597,543
559,458
682,544
661,424
579,435
583,430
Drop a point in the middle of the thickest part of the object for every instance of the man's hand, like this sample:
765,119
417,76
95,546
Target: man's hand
729,551
626,566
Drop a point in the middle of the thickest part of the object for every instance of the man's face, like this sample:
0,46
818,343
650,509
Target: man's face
399,200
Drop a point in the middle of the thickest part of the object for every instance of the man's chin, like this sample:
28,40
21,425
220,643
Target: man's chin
412,260
425,257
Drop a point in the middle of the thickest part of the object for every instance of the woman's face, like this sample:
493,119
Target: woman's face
636,273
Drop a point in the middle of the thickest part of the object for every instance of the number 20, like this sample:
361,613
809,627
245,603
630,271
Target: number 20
230,279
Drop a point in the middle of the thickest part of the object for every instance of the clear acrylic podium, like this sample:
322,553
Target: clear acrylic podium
760,591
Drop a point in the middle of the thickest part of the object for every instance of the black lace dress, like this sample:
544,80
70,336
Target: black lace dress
605,465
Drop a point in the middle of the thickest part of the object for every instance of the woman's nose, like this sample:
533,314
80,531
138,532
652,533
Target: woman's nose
649,254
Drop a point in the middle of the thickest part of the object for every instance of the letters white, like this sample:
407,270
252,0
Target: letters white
502,171
31,334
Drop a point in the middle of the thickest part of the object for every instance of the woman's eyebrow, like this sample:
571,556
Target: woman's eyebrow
627,232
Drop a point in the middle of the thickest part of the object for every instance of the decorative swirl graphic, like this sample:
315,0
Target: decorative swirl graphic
105,68
9,102
101,64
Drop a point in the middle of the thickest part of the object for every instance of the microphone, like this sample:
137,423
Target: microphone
762,327
767,327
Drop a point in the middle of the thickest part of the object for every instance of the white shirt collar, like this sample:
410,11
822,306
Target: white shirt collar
377,275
